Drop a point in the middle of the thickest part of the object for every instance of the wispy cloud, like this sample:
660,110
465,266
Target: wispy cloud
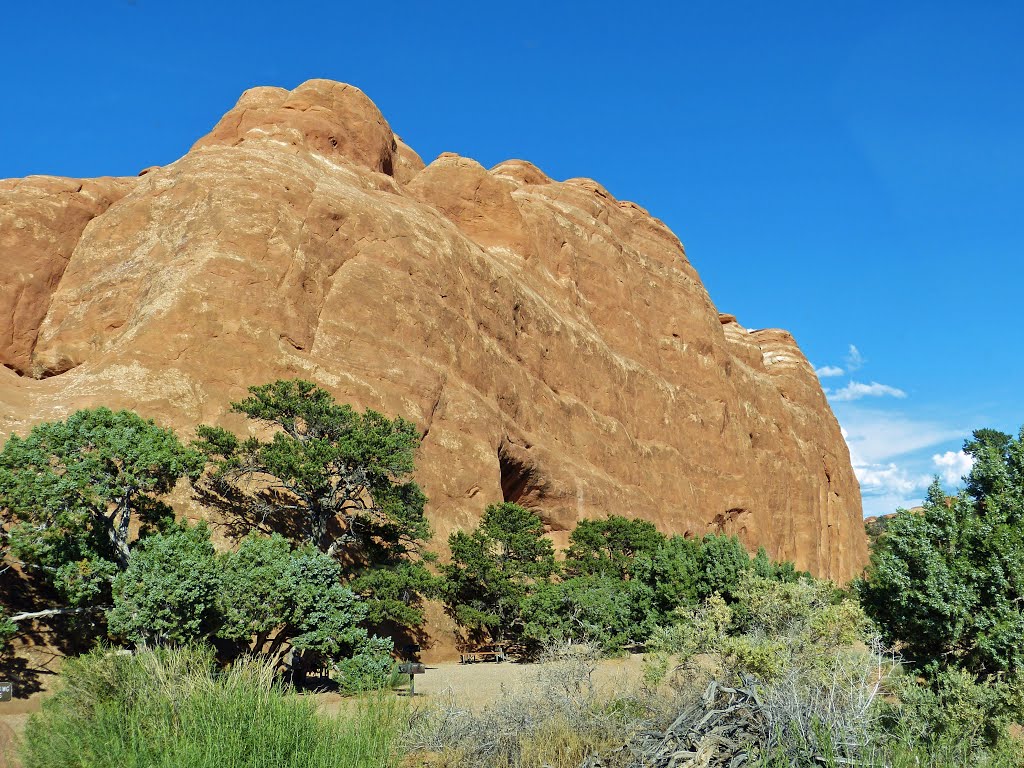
889,480
890,456
878,437
854,359
953,465
856,390
829,370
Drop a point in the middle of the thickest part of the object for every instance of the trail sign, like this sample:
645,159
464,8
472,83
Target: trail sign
6,691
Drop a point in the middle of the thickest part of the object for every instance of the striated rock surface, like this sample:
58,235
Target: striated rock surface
41,222
554,344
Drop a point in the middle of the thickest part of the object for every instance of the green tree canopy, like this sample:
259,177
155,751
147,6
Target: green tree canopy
168,593
672,574
275,598
494,568
71,489
723,561
339,479
601,609
948,584
610,546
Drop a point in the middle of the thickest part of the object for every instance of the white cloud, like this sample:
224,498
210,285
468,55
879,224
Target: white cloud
855,390
953,465
889,454
854,359
889,480
887,503
878,437
829,370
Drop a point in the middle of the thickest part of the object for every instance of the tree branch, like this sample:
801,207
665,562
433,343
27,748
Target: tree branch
32,615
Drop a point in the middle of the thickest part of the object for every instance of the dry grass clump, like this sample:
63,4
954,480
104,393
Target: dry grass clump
560,719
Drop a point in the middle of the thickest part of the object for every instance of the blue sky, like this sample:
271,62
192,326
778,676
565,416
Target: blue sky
850,171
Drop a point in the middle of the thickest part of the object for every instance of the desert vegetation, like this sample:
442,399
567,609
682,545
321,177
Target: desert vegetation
201,632
173,708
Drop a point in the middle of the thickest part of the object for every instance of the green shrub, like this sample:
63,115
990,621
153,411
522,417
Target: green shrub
954,717
169,708
723,560
289,602
495,568
807,650
371,669
594,609
168,592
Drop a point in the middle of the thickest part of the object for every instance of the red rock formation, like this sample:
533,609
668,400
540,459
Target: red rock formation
554,344
41,222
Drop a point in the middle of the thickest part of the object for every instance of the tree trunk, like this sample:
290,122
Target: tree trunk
118,532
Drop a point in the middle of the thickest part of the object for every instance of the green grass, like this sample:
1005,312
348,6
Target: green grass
166,709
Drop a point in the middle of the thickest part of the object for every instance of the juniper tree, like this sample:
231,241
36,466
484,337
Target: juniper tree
948,584
71,492
334,479
494,568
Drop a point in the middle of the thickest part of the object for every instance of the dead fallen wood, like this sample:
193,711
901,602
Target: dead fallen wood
719,731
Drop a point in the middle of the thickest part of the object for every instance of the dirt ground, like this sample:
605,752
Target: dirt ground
470,685
476,685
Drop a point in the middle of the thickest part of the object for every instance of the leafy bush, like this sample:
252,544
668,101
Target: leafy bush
621,579
805,647
265,598
723,560
599,609
954,714
495,568
166,709
168,592
671,574
282,601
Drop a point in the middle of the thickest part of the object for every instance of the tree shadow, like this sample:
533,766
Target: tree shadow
409,641
49,639
25,677
240,513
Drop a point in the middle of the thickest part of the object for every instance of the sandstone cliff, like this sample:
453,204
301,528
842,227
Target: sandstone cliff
554,344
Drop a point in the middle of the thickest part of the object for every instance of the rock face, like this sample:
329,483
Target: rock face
554,344
41,222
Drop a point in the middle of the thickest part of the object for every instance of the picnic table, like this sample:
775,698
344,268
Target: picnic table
493,651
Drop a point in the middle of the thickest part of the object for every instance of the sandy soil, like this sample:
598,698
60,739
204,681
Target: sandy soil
476,685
